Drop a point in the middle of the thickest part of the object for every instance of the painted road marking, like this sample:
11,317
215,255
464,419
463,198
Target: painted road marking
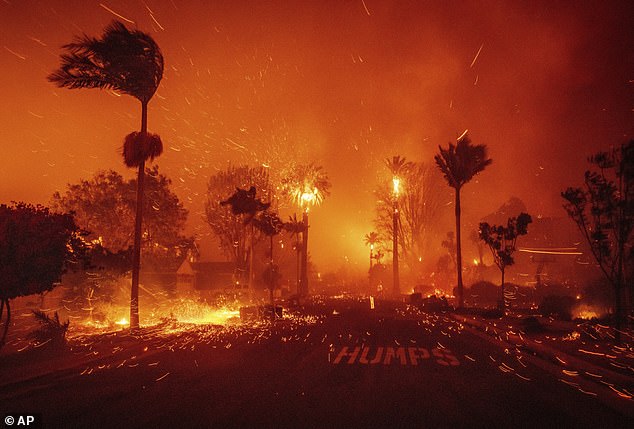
394,355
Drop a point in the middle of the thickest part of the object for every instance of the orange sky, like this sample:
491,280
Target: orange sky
345,83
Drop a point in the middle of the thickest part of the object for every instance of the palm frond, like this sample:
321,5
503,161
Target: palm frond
127,61
460,162
140,147
398,165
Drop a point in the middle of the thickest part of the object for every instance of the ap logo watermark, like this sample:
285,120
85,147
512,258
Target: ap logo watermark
22,420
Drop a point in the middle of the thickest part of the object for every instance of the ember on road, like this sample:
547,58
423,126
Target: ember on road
337,364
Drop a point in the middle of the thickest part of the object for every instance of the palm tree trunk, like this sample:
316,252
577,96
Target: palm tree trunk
297,266
138,223
304,278
250,283
502,300
272,285
396,287
6,323
459,252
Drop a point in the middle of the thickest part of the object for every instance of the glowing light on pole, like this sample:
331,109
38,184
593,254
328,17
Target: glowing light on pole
305,185
306,197
396,181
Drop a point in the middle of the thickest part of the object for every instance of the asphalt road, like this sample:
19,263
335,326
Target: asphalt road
348,367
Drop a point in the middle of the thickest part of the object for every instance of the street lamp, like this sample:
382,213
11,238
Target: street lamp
306,185
370,240
306,197
396,181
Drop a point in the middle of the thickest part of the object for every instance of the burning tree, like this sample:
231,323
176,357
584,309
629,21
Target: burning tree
501,241
104,206
36,248
459,164
129,62
604,212
305,185
232,226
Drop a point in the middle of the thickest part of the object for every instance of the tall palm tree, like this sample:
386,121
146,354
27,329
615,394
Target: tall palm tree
129,62
459,163
295,227
270,224
398,166
306,185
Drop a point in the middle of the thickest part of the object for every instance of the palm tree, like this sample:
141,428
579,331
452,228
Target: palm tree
459,164
398,166
270,224
370,240
243,202
306,185
295,227
129,62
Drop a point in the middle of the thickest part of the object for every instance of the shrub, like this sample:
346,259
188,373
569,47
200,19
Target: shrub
483,293
558,306
51,330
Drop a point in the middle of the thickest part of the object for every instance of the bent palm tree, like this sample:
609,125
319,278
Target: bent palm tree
459,164
129,62
243,202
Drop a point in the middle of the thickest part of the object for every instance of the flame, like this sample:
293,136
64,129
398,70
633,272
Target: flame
396,182
107,317
587,312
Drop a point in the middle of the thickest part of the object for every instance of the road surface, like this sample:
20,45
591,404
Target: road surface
347,366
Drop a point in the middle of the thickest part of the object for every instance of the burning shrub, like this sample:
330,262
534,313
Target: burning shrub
51,330
558,306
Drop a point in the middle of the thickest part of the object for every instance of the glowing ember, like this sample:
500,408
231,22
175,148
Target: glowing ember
107,317
587,314
220,316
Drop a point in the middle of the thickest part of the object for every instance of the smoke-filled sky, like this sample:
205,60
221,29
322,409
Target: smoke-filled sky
344,83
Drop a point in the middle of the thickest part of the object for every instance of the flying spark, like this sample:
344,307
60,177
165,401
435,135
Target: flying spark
476,56
116,14
365,7
22,57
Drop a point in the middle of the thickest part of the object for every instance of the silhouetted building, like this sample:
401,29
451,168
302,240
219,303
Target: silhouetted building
205,276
